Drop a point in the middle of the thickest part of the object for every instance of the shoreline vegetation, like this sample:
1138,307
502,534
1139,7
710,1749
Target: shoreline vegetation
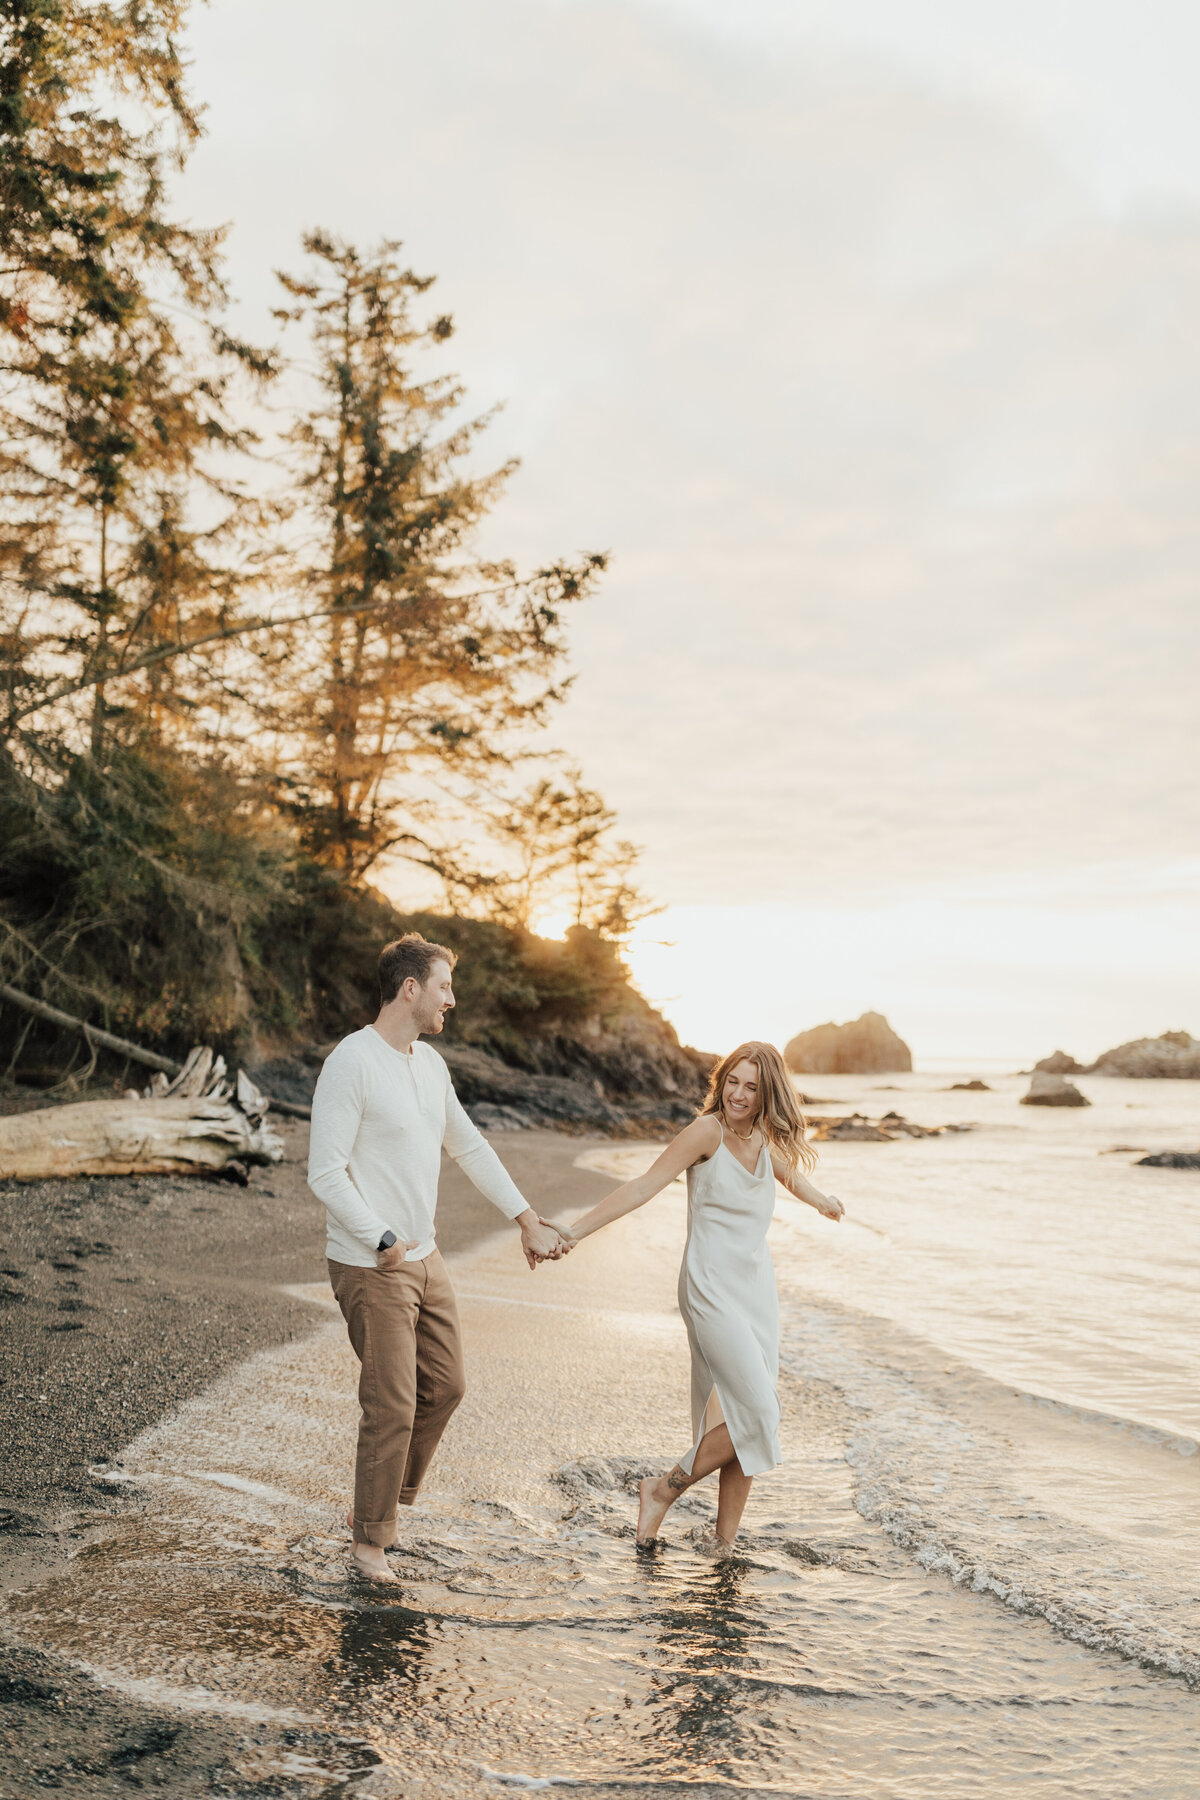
545,1033
254,664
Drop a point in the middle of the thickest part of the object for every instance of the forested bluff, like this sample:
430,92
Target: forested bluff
255,669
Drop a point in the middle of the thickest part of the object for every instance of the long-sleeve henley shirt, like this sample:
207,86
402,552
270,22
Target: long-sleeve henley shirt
380,1120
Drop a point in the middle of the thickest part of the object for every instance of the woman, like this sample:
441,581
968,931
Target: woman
749,1134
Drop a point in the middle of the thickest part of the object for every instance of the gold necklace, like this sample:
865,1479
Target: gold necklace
744,1136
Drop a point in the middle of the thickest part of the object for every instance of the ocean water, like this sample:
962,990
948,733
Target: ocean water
1051,1458
976,1573
1033,1247
1013,1312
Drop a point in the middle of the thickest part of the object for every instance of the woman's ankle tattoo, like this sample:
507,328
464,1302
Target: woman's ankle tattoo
677,1480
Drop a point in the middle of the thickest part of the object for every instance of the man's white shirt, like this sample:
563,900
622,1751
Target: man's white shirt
380,1120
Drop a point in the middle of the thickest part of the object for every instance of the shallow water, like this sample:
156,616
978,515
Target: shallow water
1031,1247
887,1630
534,1643
1012,1313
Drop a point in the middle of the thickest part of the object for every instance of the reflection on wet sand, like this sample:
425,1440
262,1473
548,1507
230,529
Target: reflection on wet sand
528,1639
705,1635
377,1661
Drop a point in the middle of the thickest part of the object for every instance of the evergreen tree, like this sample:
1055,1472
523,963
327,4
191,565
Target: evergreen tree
116,372
145,886
426,658
554,849
129,872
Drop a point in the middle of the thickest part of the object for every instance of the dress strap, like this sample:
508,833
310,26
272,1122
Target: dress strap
720,1126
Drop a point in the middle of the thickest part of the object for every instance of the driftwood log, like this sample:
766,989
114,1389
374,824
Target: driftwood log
200,1123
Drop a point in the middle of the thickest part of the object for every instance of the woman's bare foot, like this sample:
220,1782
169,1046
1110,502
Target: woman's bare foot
657,1494
712,1544
370,1560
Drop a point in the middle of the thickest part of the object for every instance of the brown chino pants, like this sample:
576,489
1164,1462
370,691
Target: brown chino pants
403,1324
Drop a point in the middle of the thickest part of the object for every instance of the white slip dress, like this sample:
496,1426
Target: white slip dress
730,1306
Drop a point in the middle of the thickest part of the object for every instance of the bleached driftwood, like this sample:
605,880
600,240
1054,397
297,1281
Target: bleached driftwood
200,1123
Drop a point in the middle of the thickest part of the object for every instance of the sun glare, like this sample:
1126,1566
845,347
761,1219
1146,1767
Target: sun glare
956,976
554,923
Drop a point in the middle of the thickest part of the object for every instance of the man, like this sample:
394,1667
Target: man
384,1109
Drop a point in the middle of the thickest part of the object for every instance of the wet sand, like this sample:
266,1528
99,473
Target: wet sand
528,1642
121,1300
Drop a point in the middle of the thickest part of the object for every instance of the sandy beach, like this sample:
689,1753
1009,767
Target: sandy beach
193,1619
574,575
122,1300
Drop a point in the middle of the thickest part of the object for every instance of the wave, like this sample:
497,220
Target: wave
1083,1518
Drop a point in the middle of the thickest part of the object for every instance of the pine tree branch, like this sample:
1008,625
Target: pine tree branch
66,690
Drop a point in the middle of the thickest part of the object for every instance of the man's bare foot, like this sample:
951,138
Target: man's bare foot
370,1560
656,1496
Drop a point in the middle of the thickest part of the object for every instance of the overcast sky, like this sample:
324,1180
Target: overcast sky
866,335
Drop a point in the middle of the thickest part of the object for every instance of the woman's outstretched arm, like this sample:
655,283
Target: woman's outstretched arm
695,1142
798,1184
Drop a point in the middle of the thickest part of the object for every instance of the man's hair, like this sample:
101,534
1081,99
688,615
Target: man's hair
410,955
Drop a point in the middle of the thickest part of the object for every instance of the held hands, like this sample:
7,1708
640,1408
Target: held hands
540,1240
830,1207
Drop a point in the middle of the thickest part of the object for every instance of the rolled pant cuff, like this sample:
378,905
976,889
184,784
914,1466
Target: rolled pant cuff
381,1534
408,1496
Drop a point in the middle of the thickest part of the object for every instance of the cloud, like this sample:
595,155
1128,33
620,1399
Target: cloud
893,436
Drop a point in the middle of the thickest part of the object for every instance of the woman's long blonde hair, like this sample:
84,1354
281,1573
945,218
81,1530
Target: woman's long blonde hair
779,1117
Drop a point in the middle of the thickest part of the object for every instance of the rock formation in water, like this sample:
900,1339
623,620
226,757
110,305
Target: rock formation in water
858,1128
1059,1064
866,1046
1170,1159
1051,1090
1175,1055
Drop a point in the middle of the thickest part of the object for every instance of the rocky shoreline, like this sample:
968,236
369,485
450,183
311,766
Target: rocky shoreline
858,1128
615,1084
